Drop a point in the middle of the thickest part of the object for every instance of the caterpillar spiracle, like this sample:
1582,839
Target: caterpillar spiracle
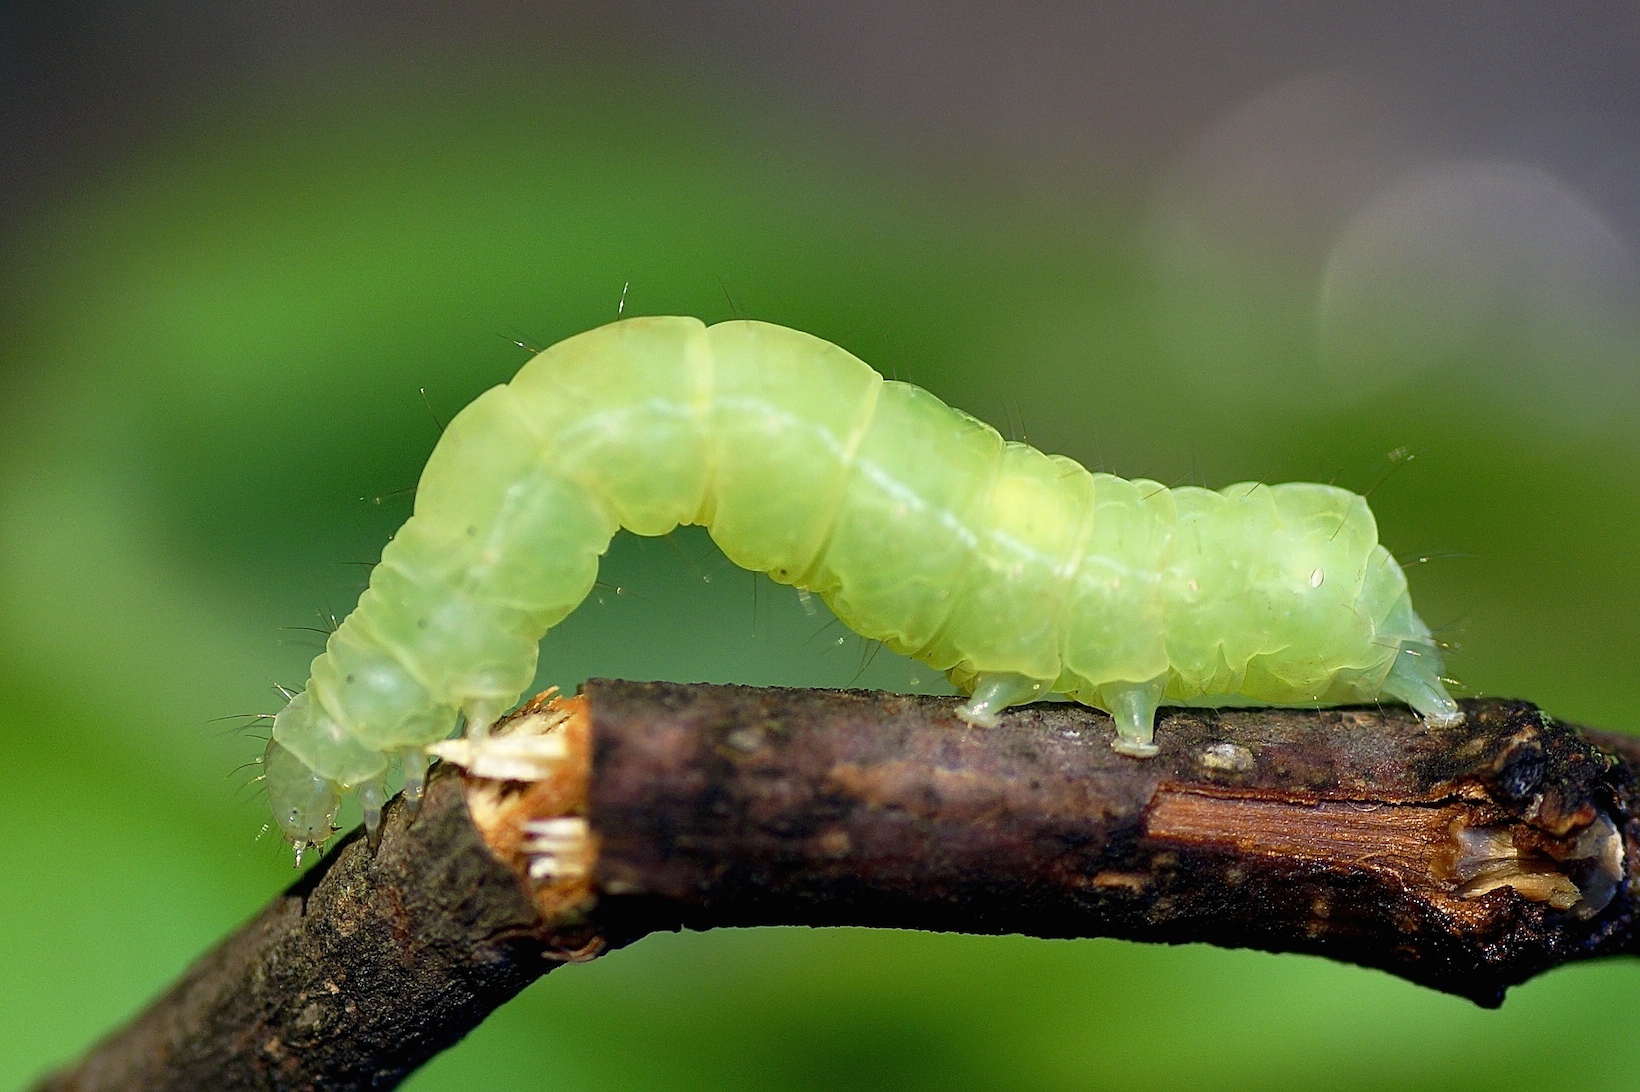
1017,573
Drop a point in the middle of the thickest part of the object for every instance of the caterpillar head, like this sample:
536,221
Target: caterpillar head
304,803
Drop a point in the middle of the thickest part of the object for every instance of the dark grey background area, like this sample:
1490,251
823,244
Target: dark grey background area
1053,91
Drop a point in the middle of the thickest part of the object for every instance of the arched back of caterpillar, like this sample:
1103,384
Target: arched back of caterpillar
1019,574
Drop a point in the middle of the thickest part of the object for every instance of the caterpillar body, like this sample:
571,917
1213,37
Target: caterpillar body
1017,573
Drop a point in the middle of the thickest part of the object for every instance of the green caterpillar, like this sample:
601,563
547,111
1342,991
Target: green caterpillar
1019,574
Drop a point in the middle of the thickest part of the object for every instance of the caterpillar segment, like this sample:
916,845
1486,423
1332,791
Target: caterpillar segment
1018,574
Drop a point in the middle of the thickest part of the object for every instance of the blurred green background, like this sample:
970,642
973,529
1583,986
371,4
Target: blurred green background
1170,241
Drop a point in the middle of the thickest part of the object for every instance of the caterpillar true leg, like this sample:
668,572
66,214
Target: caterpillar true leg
479,717
416,760
372,796
1133,705
995,691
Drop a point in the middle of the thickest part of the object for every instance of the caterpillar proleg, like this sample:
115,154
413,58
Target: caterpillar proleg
1019,574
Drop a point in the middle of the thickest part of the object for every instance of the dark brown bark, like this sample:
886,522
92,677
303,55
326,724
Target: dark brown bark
365,968
1466,860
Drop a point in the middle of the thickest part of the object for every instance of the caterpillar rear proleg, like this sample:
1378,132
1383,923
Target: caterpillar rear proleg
1133,706
996,691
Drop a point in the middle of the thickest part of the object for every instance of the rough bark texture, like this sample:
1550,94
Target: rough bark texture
365,968
1466,860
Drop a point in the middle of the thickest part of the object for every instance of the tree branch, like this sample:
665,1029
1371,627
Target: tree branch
1467,860
362,970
